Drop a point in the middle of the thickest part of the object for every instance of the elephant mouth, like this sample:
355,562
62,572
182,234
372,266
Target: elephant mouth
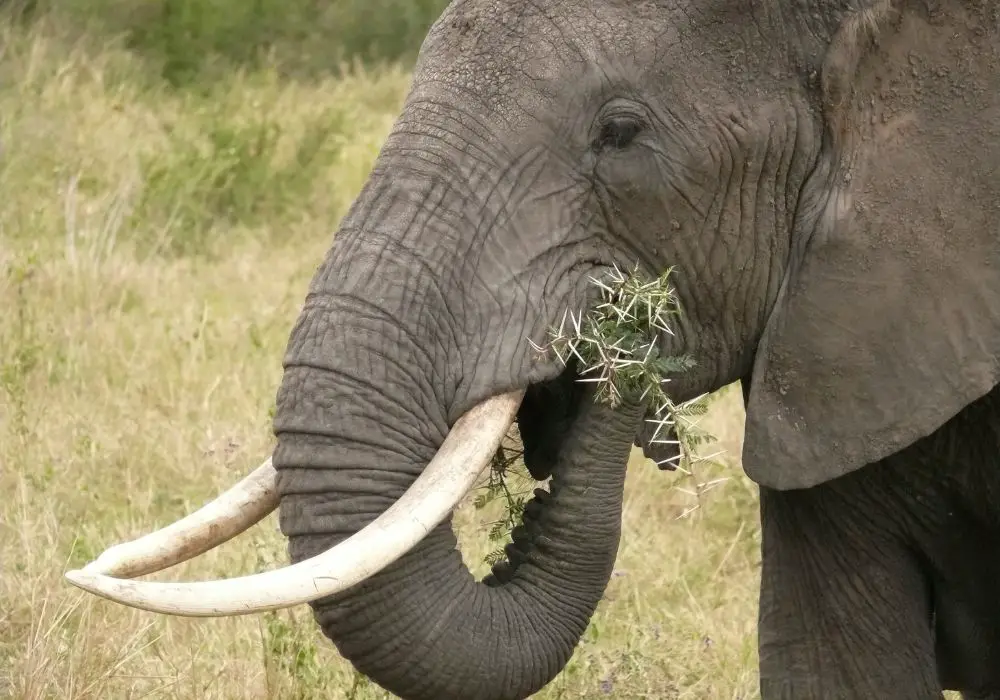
545,412
546,417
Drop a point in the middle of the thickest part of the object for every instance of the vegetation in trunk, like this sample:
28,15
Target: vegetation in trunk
616,346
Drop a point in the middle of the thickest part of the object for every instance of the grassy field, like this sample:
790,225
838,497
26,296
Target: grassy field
155,246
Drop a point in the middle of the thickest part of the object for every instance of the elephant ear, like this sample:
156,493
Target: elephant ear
888,323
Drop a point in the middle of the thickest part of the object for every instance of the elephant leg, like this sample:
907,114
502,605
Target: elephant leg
844,604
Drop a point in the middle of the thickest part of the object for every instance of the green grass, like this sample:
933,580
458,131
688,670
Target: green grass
155,247
191,42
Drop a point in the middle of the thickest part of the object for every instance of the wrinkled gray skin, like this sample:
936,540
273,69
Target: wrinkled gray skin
824,177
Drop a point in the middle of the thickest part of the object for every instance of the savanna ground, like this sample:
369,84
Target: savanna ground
156,243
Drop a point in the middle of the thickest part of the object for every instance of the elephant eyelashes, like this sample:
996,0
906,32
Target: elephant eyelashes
617,133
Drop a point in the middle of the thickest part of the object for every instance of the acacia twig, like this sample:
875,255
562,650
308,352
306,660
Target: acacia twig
616,346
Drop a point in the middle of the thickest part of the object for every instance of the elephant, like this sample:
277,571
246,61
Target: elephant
823,176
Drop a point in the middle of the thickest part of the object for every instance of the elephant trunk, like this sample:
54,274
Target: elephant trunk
417,320
355,428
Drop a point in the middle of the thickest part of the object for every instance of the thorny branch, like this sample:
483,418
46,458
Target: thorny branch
615,346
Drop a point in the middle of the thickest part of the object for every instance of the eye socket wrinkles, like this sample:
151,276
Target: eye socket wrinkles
618,125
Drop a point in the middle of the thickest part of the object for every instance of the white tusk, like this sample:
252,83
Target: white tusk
466,451
245,504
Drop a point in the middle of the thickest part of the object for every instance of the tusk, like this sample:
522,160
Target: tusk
245,504
466,451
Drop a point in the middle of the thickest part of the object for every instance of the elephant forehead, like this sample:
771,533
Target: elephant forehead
519,57
501,52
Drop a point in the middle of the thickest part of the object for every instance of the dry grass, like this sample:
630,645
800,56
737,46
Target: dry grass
136,381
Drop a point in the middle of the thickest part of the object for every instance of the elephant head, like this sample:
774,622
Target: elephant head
830,227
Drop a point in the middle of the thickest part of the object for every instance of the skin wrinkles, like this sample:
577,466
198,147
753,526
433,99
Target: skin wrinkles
564,220
417,434
362,310
685,264
420,216
553,16
760,204
692,261
780,259
453,189
930,509
543,261
392,253
506,231
451,129
472,101
705,264
471,130
783,197
424,163
492,225
506,197
505,185
492,221
359,476
454,115
436,159
610,226
393,250
553,257
737,187
754,202
751,282
431,208
521,321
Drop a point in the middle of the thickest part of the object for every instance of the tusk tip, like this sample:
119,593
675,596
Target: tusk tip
110,562
101,565
451,473
90,581
81,578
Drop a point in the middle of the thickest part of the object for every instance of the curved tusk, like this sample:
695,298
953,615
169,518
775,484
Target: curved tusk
466,451
245,504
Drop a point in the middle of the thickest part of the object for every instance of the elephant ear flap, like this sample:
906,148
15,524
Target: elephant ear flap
888,323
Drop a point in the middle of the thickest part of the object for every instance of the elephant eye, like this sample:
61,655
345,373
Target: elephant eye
617,132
